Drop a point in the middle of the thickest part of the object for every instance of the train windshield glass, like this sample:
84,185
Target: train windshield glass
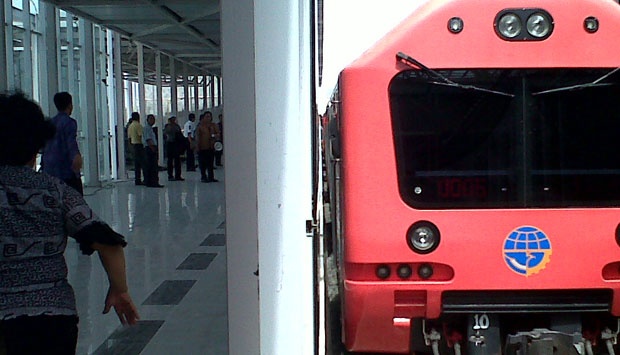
553,142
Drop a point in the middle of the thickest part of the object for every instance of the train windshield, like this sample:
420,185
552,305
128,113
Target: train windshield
553,142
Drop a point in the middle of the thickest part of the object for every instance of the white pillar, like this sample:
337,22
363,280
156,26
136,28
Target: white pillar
212,91
119,98
160,108
49,63
8,46
3,50
196,94
205,80
237,30
141,89
268,175
88,104
185,89
173,88
26,74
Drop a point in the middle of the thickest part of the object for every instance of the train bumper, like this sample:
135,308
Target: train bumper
380,319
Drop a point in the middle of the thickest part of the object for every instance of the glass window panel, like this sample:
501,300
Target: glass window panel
549,145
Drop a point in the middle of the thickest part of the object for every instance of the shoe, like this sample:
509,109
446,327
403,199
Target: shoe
155,185
171,179
139,183
179,179
214,180
205,180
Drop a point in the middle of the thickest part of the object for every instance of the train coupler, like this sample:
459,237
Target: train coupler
610,338
431,338
543,341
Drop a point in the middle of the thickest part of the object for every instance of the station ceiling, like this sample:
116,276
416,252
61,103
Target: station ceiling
188,30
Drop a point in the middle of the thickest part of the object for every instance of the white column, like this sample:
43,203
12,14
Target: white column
50,61
196,94
71,85
212,87
185,89
3,71
119,99
130,106
3,49
88,104
8,46
141,89
173,87
205,80
268,179
160,108
237,30
219,91
26,74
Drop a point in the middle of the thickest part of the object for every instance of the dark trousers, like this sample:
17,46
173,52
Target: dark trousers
190,160
174,160
205,162
40,335
151,174
138,161
76,183
218,158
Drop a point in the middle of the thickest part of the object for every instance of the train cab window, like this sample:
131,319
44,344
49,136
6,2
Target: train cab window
554,142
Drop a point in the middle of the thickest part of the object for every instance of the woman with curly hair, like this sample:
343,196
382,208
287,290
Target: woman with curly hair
37,213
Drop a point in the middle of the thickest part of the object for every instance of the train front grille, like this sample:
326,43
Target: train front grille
526,301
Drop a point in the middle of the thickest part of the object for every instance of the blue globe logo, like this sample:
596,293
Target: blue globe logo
527,250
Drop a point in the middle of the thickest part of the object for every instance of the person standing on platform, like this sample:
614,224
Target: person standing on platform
206,136
151,173
189,130
61,156
134,131
38,213
218,153
173,134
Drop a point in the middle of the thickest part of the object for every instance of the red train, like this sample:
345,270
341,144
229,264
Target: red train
473,160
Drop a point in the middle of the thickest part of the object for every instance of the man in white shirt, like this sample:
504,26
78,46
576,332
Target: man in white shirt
151,170
189,130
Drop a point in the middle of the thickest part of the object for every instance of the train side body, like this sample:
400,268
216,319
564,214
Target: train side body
470,256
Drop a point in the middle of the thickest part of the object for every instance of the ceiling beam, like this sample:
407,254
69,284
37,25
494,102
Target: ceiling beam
178,20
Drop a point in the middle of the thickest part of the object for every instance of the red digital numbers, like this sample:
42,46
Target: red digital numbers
454,188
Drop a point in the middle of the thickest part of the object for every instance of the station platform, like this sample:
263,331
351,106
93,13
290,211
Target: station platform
176,269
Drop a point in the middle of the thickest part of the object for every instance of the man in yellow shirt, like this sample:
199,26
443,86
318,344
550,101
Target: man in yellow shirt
134,132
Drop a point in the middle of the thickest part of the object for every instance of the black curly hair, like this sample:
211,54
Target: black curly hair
23,129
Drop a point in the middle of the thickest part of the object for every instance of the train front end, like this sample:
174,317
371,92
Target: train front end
479,157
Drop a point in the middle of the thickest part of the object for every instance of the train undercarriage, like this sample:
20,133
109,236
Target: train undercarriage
495,334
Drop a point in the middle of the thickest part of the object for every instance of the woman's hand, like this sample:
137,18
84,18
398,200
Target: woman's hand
123,306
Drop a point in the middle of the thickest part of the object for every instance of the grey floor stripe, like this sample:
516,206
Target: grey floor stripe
170,292
129,340
197,261
214,240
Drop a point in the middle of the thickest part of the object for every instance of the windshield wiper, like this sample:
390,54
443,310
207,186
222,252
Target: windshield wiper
445,81
595,83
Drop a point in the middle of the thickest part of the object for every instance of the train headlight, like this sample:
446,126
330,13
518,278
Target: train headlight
590,24
524,24
455,25
538,25
423,237
509,25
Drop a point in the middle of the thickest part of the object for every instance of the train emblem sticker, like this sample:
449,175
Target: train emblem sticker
527,250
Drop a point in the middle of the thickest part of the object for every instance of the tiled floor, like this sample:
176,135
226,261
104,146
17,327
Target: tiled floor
176,268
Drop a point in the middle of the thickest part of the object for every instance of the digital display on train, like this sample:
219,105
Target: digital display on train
507,138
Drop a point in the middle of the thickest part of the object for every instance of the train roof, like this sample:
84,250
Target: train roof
424,35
